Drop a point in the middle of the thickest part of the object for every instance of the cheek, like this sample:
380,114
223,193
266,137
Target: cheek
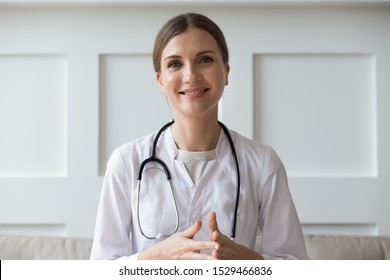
169,81
217,73
219,78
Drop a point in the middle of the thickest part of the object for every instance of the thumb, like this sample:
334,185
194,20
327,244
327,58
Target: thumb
212,222
192,230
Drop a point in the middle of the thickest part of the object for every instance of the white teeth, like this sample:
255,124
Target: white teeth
193,92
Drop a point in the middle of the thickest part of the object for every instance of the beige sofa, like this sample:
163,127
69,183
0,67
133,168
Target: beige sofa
325,247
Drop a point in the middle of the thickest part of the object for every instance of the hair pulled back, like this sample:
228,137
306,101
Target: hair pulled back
179,24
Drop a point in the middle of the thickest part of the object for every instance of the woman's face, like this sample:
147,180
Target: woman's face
193,75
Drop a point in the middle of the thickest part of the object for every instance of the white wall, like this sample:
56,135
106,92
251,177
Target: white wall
77,81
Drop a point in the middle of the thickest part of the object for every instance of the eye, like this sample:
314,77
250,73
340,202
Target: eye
205,60
174,64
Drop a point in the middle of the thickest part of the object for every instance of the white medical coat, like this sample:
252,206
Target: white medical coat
265,200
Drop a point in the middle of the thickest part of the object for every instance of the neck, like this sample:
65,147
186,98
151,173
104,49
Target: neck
195,135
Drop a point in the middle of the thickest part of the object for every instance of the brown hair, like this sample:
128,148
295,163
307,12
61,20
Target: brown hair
179,24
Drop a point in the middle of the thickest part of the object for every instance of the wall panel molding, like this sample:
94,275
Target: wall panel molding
33,229
33,115
319,112
341,228
126,104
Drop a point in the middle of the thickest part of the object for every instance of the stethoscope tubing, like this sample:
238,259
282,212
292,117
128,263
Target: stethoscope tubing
153,158
226,131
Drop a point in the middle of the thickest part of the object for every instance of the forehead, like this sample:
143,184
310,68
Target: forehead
191,41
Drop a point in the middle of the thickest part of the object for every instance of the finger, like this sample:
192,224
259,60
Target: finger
212,222
215,236
204,245
192,230
217,254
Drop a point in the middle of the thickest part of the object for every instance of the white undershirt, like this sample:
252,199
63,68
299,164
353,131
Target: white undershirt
195,162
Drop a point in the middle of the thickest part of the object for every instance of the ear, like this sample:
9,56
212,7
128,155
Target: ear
159,79
227,70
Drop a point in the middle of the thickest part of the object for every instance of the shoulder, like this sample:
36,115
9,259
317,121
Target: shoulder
132,151
252,151
136,145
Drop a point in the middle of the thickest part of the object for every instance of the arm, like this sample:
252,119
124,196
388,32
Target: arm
282,236
111,239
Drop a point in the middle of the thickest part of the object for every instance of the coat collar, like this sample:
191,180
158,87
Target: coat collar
171,149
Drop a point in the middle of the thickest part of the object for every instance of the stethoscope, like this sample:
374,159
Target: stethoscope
153,158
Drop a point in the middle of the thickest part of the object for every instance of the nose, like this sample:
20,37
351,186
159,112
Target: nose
191,74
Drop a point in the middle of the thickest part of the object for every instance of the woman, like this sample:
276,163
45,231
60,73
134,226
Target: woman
198,219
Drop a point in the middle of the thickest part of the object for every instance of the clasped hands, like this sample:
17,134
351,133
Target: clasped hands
182,246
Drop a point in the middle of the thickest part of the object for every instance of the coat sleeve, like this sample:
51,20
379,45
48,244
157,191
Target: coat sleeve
282,236
112,238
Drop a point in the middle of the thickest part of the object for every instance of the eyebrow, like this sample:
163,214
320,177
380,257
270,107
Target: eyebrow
198,54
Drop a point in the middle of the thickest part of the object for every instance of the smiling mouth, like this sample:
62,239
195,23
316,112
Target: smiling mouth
195,92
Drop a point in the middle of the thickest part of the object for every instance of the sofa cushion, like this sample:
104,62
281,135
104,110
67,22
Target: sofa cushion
319,247
347,247
44,248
